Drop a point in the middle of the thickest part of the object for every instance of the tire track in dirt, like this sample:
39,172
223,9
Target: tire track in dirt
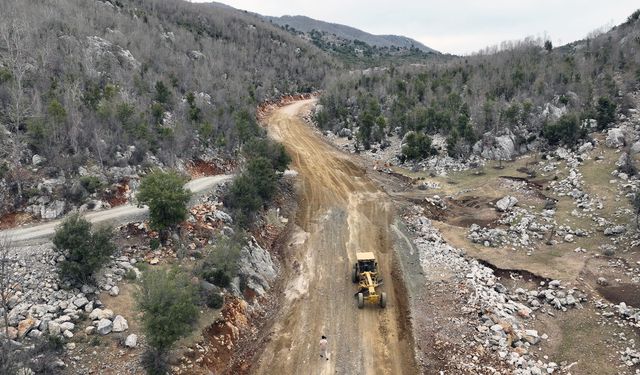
342,211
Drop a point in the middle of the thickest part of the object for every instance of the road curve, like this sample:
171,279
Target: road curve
341,212
114,216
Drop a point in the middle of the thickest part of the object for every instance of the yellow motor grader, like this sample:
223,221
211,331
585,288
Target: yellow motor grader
365,274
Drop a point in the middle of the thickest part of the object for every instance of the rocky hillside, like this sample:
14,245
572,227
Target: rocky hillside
498,103
103,88
306,25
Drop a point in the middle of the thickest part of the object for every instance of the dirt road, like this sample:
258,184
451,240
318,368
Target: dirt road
341,212
117,215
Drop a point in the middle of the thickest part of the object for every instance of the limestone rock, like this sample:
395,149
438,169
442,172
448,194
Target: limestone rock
506,203
615,138
131,341
120,324
114,291
98,314
54,328
105,326
25,326
256,267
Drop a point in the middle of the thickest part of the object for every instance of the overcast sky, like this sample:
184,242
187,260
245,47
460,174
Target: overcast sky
458,26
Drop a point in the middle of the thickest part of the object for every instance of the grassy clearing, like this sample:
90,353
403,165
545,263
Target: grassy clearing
558,261
590,344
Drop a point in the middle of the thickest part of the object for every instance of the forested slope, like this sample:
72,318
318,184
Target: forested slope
133,83
83,80
528,90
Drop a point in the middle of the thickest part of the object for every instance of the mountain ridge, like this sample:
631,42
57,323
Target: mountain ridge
307,24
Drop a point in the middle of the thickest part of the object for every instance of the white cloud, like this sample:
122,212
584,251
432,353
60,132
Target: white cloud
461,26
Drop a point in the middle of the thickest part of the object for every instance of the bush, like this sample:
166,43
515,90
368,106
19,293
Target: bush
417,146
605,112
168,303
567,130
633,17
628,166
243,198
221,264
217,277
213,299
90,183
608,251
270,150
263,176
162,92
131,275
258,183
154,243
155,362
166,197
85,251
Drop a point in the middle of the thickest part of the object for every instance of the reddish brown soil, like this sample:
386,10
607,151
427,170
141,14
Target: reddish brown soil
200,168
117,196
14,219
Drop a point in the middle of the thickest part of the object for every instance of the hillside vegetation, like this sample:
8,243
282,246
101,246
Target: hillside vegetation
528,90
356,48
161,75
116,83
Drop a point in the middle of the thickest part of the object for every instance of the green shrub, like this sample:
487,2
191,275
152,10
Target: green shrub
131,275
262,176
154,243
243,198
567,130
166,197
213,299
168,303
217,277
221,264
85,251
91,183
155,362
162,92
4,168
417,146
266,148
605,112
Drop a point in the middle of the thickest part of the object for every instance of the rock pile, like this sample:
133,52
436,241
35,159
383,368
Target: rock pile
489,237
502,315
39,305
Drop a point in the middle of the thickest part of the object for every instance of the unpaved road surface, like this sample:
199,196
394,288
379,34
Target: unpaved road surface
115,216
341,212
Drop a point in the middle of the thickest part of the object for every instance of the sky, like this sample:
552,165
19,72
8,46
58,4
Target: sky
458,26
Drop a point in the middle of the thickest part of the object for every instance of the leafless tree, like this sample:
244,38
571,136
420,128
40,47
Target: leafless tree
6,283
13,35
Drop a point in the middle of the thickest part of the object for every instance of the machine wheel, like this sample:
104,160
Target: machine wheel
383,300
360,300
354,275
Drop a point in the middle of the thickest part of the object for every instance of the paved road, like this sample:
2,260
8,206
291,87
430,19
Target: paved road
114,216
